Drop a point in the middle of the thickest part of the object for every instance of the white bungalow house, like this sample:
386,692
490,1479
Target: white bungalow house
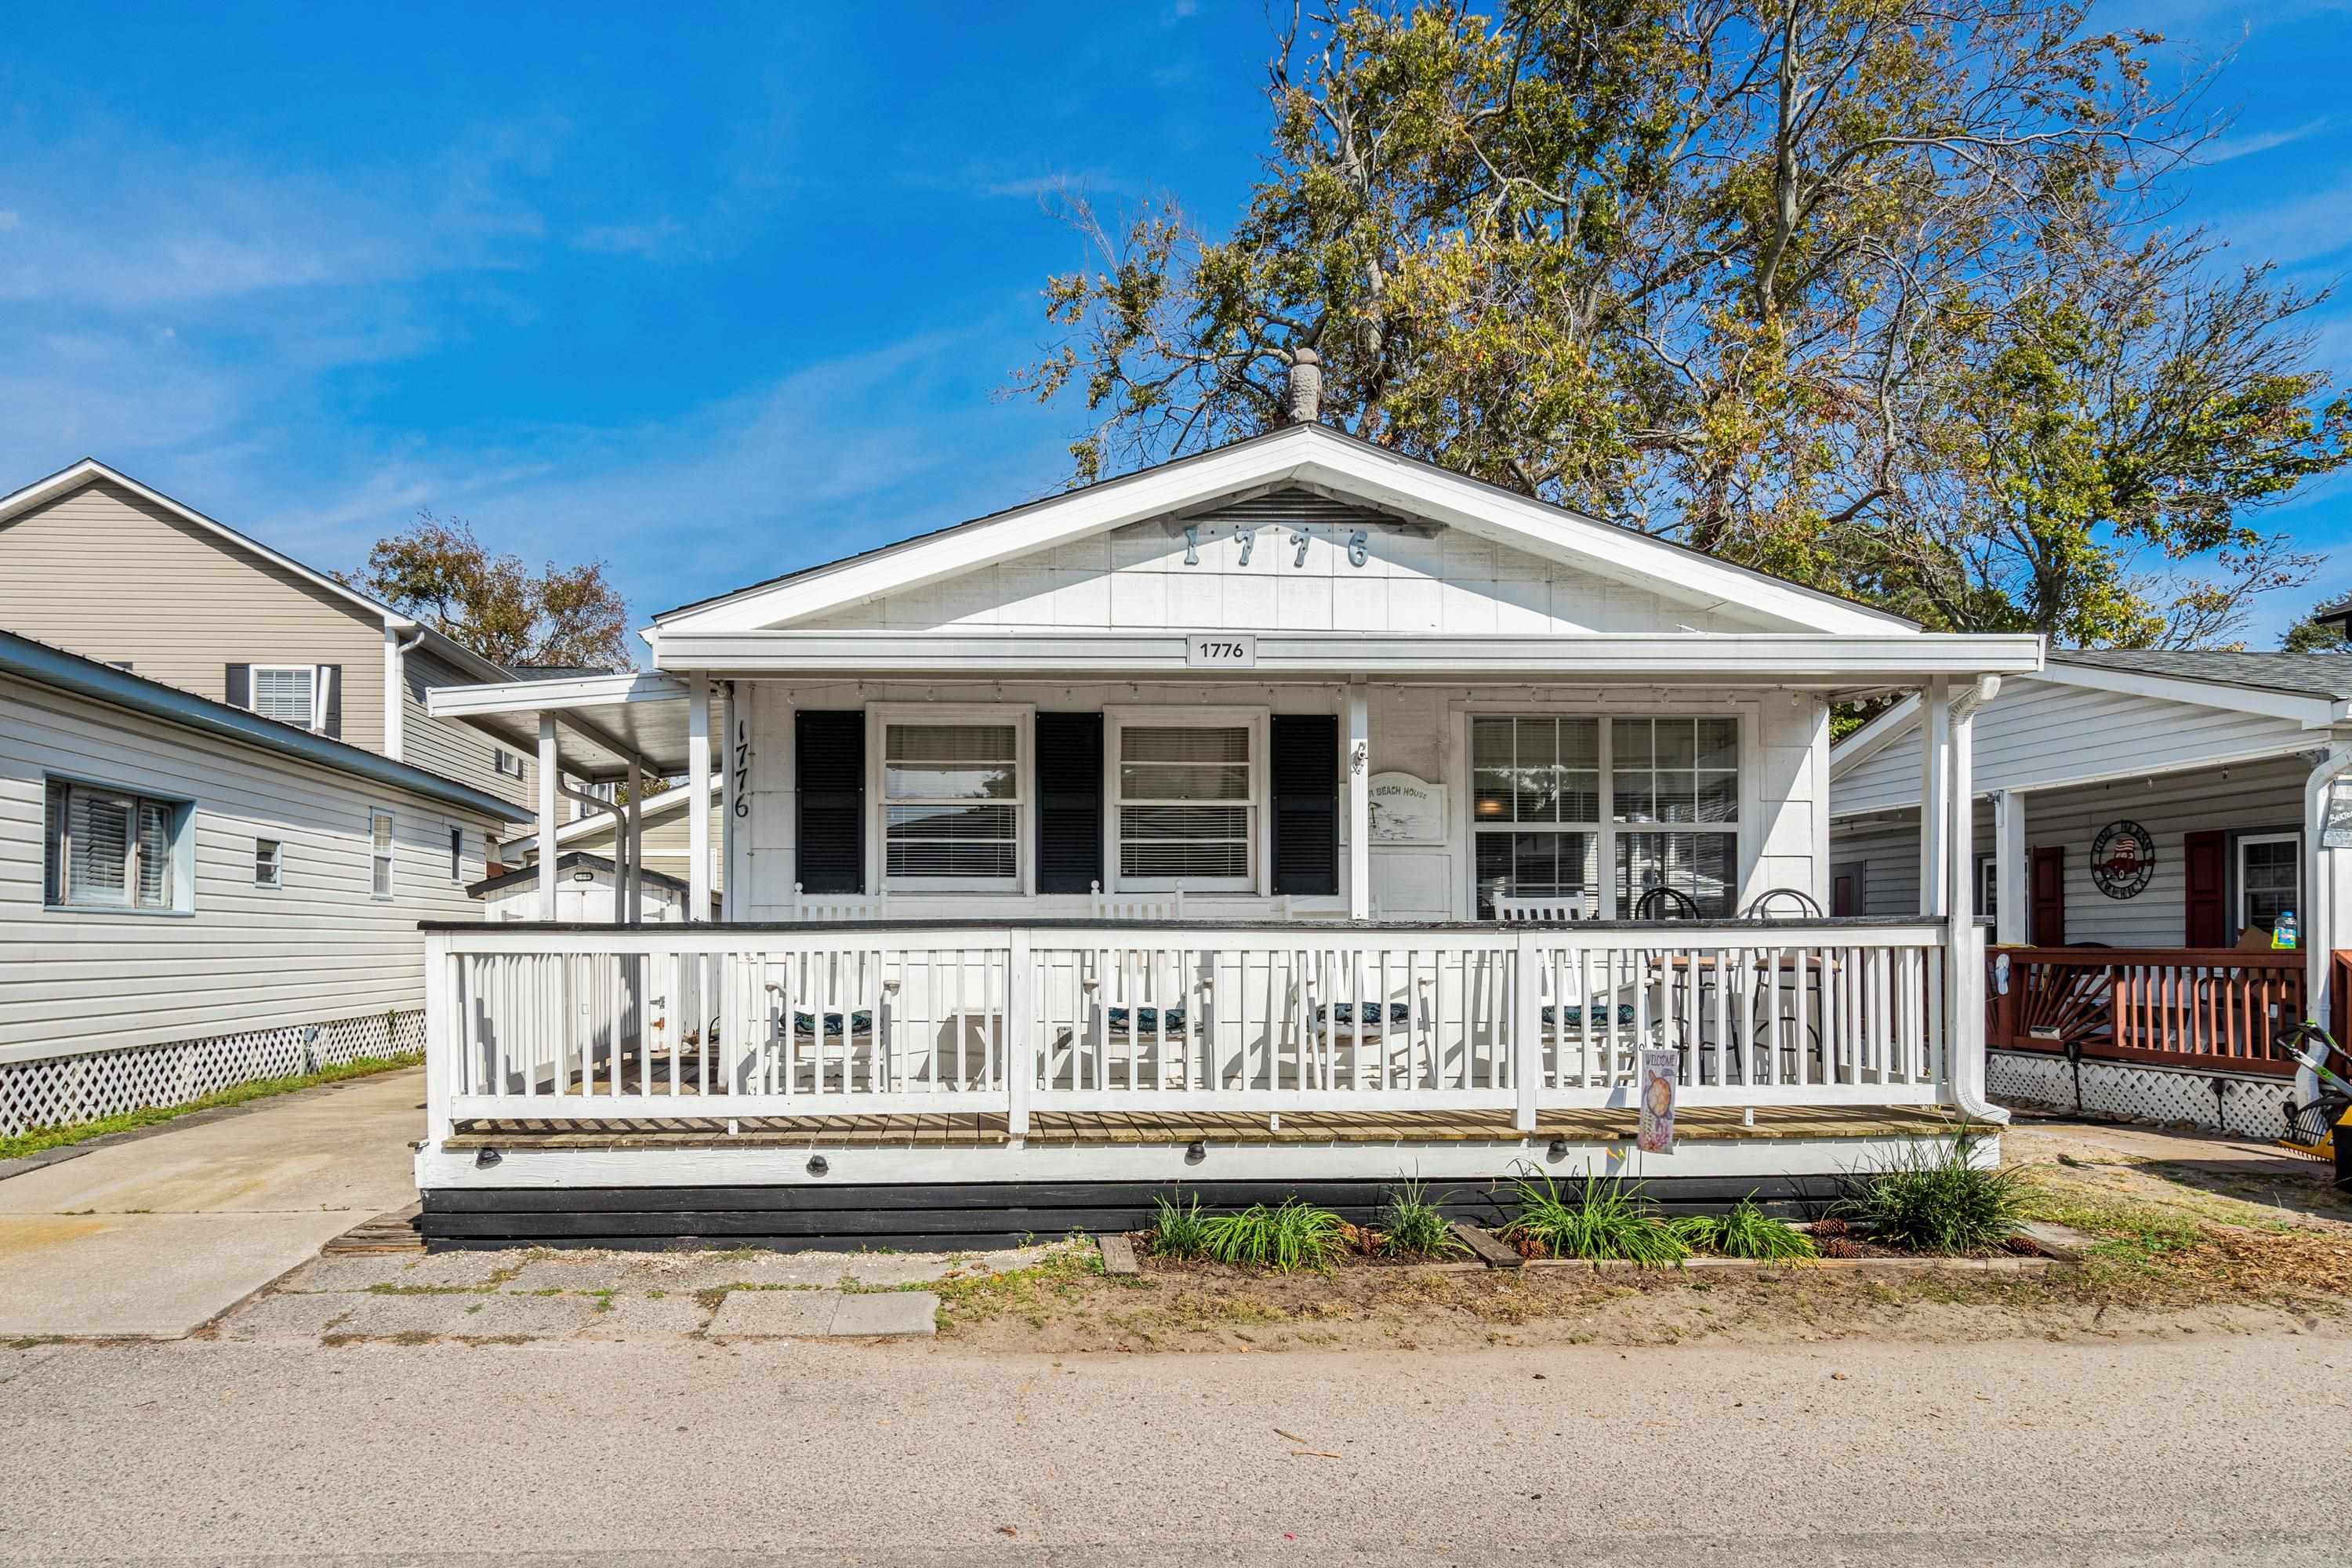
2143,822
1290,817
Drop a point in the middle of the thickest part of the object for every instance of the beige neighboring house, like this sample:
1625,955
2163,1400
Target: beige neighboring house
93,562
668,836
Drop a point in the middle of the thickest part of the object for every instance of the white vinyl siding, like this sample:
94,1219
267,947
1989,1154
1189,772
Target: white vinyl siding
242,956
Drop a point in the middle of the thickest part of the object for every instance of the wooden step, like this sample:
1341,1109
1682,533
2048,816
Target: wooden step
393,1232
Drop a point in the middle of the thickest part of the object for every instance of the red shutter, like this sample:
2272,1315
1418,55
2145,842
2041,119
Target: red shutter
2205,858
2049,928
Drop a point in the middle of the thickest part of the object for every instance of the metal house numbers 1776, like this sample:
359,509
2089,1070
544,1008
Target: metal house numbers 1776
2123,858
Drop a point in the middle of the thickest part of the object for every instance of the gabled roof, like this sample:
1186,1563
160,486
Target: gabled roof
63,671
2312,688
1309,455
90,470
2303,674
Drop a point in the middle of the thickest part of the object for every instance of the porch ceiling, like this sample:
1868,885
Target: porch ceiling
601,720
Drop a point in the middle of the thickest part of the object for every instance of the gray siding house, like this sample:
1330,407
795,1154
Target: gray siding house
94,562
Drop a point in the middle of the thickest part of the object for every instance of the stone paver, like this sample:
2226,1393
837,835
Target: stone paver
623,1317
467,1316
823,1313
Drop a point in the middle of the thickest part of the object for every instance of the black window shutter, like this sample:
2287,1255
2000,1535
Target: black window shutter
239,686
829,776
334,678
1069,802
1304,769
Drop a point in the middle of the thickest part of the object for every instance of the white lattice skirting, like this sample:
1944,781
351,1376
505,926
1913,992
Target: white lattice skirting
56,1091
2242,1103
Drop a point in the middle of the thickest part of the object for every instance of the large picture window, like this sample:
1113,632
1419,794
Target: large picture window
1536,810
1684,773
951,805
1187,806
110,849
1563,806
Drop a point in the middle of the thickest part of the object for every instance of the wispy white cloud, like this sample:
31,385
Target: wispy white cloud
2228,149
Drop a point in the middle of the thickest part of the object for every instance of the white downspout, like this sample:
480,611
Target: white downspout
396,691
550,767
2319,913
1964,957
620,845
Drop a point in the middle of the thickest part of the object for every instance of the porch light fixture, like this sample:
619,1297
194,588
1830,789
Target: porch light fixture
818,1166
486,1158
1558,1150
1196,1152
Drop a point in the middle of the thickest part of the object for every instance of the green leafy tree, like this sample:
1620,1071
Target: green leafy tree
1756,277
438,571
2312,634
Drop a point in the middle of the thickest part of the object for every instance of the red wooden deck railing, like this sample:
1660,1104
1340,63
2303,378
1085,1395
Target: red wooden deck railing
2184,1007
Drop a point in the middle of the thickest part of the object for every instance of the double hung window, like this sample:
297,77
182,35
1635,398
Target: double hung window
952,800
1187,805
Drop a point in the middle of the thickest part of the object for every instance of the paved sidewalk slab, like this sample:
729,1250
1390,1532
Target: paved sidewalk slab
819,1314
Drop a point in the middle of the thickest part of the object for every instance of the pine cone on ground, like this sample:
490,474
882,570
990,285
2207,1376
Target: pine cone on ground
1829,1227
1835,1247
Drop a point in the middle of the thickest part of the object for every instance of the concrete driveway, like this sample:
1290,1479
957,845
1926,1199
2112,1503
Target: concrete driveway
154,1237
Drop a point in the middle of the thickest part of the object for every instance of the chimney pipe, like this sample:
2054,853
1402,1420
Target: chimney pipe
1306,386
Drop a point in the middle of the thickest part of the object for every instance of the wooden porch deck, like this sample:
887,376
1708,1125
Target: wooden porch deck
1068,1129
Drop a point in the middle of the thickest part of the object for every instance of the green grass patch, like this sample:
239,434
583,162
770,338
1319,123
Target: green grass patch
1746,1232
1177,1232
1410,1225
34,1140
1296,1235
1603,1221
1937,1200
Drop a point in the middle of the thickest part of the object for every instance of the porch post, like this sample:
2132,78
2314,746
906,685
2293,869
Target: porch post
697,805
1964,962
2008,867
1934,795
730,748
548,767
633,840
1359,801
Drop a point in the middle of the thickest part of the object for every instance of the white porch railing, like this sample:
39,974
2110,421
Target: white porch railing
737,1022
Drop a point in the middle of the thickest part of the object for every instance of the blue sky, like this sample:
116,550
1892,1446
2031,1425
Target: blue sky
710,294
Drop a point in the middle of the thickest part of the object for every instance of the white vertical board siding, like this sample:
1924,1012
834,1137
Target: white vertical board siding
2261,796
1419,730
105,574
2038,731
247,958
1430,579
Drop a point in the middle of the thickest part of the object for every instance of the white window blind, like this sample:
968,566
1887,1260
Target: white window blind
109,848
1185,805
286,693
951,804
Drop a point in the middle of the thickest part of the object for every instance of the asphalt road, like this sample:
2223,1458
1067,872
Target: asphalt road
2198,1450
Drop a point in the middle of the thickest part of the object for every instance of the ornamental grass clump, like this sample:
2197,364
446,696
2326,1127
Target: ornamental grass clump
1412,1226
1178,1232
1936,1200
1296,1235
1603,1221
1746,1232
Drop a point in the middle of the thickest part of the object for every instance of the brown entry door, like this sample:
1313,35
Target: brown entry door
1845,898
2049,928
2205,858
